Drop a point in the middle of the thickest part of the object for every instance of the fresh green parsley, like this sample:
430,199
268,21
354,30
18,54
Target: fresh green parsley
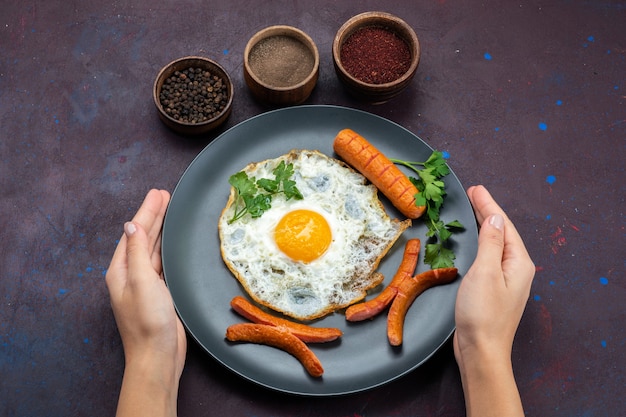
254,196
432,190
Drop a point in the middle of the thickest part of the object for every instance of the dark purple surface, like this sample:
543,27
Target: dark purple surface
526,97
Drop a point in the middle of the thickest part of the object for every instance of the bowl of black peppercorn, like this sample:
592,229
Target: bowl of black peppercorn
193,95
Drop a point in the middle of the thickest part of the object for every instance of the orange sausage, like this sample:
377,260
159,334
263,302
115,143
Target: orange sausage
277,337
301,331
379,170
407,293
370,308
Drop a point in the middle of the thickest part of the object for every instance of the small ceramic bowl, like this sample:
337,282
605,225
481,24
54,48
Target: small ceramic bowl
193,95
281,65
355,76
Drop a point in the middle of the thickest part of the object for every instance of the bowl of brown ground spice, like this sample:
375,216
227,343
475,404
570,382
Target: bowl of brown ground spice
281,65
375,55
193,95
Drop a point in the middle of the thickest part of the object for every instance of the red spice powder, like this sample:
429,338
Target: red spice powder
375,55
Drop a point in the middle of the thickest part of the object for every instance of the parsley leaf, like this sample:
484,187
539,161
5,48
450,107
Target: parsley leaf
258,204
431,187
254,196
243,184
271,186
291,191
438,256
437,163
283,171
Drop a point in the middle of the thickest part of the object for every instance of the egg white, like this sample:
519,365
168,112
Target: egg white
361,234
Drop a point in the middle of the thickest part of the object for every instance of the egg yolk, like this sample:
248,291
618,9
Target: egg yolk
303,235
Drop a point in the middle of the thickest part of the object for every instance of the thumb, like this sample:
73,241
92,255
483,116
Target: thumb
137,251
491,242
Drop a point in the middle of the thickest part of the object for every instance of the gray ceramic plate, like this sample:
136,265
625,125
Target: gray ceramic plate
202,286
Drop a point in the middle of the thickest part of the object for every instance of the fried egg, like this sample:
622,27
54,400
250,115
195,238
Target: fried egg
307,258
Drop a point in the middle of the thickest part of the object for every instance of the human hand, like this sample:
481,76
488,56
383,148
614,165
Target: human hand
153,336
491,299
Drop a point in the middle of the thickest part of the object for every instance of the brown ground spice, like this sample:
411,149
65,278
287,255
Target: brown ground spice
375,55
281,61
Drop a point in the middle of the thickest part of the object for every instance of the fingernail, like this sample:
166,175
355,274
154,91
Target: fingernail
129,228
497,221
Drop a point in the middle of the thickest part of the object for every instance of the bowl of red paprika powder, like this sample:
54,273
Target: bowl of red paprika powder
375,55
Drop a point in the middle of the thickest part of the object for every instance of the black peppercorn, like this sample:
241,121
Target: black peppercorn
193,95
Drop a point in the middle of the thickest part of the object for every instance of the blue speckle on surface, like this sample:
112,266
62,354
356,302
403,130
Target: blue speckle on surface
445,154
550,179
548,217
496,129
604,281
603,343
537,298
559,102
487,56
86,340
62,291
542,126
226,51
89,269
590,39
552,283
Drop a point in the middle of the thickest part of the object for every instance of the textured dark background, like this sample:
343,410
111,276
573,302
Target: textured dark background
527,97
